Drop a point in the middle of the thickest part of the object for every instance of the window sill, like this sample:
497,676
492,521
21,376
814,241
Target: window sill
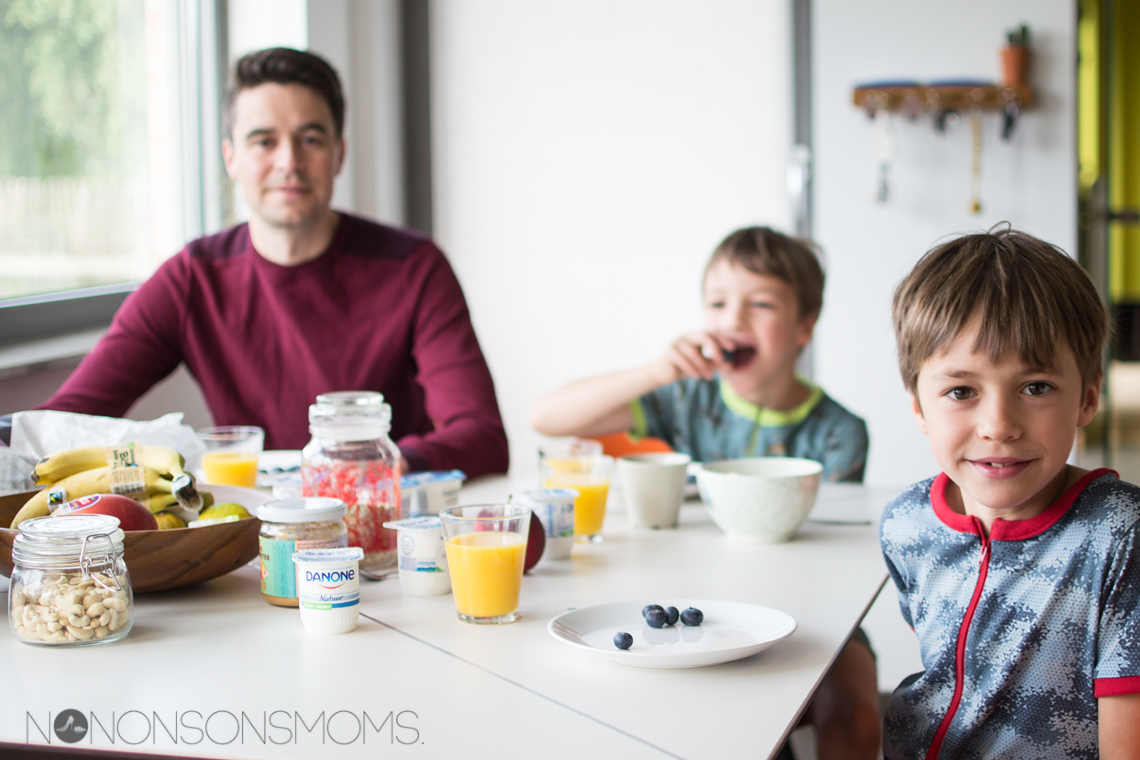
48,354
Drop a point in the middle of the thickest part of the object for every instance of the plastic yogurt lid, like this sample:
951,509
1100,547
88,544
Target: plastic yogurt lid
546,494
433,476
427,522
336,554
306,509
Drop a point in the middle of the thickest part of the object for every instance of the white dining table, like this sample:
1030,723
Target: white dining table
214,671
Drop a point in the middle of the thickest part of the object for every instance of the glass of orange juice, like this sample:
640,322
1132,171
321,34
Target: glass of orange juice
581,466
231,454
486,548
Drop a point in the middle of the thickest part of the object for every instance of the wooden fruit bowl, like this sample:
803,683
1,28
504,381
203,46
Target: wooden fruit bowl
159,560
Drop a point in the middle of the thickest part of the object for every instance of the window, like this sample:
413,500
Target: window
108,135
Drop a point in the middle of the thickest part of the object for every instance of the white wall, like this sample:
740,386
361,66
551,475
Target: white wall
1030,181
588,156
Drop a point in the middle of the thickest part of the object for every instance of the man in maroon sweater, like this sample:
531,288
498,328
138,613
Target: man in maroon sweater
303,299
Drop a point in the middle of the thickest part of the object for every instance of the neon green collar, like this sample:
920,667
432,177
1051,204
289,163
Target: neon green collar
742,407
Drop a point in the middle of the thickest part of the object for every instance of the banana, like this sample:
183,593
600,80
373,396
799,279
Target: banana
62,464
85,483
161,501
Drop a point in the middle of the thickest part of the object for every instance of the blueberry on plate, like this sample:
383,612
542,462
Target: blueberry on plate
623,640
656,618
649,607
692,616
672,614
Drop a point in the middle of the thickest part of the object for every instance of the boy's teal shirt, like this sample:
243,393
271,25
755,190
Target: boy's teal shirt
709,420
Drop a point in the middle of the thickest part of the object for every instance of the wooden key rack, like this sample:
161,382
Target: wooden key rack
914,100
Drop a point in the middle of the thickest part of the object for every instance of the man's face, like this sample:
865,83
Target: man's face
284,153
1002,431
760,315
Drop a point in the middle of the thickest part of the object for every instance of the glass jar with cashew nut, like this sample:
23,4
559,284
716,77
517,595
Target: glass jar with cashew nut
70,585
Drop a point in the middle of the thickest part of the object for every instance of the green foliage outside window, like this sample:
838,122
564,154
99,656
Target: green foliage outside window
72,84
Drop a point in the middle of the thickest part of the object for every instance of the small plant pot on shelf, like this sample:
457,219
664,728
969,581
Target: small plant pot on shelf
1015,66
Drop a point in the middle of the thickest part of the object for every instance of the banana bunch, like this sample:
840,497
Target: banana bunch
84,471
62,464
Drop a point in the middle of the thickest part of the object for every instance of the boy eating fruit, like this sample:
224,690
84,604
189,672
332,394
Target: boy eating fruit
732,391
1019,572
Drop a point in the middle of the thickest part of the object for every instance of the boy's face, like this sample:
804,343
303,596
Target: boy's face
759,315
1002,431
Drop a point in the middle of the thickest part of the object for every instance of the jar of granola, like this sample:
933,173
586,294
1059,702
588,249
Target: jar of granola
293,525
351,458
70,585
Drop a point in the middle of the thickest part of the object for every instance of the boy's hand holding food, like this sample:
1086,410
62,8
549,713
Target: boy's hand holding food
700,354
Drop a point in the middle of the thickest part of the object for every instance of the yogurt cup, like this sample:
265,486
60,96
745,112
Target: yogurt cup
425,493
422,557
328,588
555,510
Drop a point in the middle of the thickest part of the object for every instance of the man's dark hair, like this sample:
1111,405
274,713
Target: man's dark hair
284,66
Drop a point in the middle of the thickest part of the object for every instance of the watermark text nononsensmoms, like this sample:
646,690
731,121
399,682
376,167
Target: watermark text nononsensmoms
222,727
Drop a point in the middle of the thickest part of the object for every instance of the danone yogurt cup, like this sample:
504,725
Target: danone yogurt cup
555,510
425,493
328,588
422,558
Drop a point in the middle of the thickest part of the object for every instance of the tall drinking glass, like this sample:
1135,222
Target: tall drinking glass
581,466
486,548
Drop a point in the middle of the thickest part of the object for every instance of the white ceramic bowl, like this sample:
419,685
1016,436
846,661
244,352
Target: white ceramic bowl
762,500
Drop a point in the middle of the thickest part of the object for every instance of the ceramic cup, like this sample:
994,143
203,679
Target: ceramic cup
653,487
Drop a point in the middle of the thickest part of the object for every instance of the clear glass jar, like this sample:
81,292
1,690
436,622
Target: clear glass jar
292,525
351,458
70,585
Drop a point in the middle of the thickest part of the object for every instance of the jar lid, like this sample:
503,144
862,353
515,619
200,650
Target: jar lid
350,416
65,537
352,399
306,509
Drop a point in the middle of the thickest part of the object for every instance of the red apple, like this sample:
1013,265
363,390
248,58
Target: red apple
535,543
131,514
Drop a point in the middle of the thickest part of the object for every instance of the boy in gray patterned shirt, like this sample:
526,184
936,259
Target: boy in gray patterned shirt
1019,572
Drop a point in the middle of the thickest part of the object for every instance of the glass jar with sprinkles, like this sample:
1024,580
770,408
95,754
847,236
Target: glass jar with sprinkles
351,458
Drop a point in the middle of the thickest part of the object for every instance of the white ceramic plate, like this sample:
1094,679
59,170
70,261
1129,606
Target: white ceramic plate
730,631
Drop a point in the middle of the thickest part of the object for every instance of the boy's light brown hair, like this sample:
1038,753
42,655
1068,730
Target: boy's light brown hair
1027,295
766,252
